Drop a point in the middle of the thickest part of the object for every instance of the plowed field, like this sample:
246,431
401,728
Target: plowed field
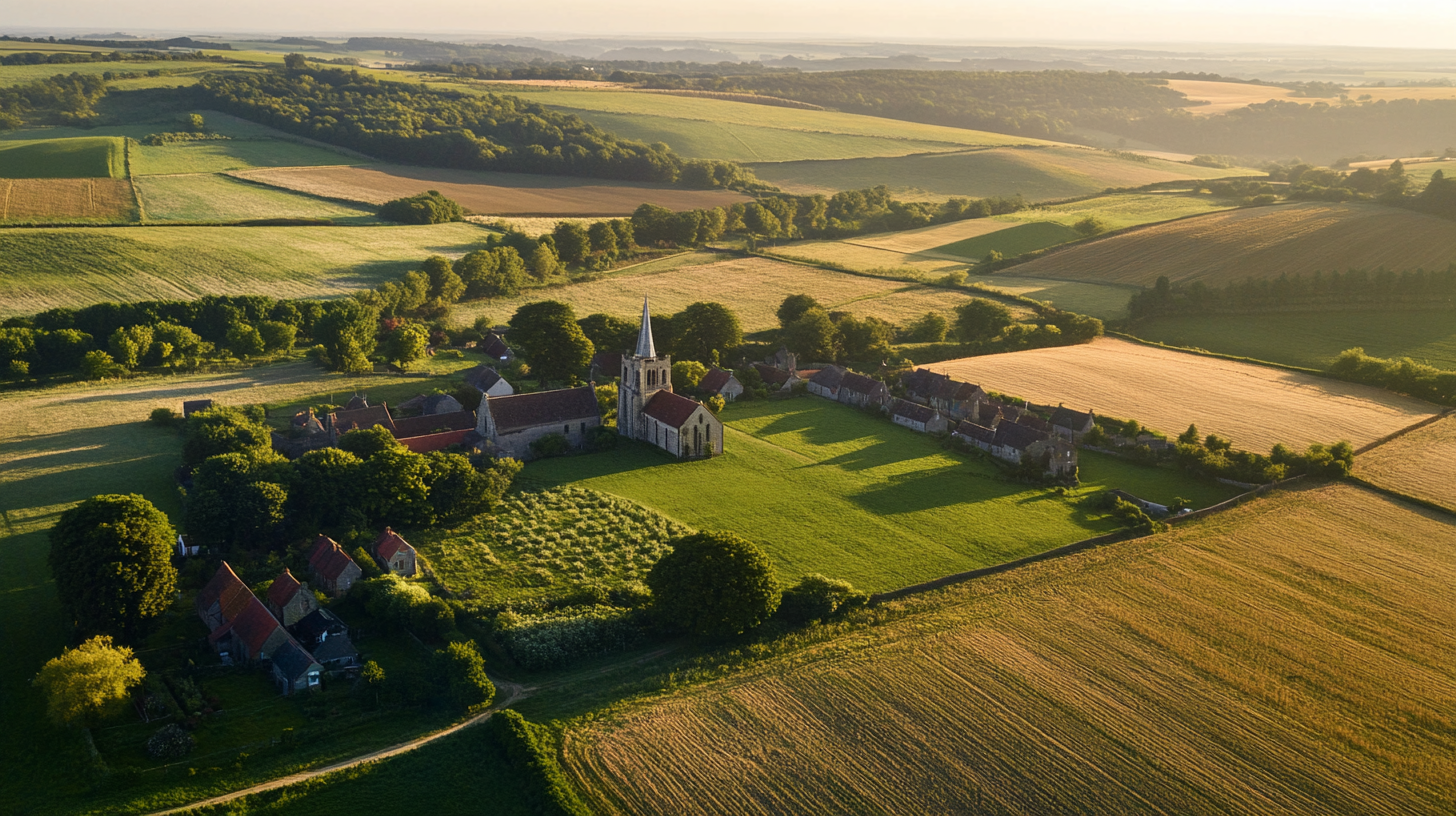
1422,464
1260,242
489,193
1255,406
1292,656
77,199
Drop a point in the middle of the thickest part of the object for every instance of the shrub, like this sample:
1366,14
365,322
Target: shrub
553,444
164,417
463,671
714,584
532,756
816,597
554,639
426,208
170,742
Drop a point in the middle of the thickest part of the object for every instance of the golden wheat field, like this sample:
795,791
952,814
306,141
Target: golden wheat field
1293,656
1255,406
1258,242
488,193
1422,464
1223,97
938,235
89,199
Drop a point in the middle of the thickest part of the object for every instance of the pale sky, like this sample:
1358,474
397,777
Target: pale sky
1398,23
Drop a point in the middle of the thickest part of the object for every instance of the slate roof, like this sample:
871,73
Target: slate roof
860,384
328,559
361,418
337,647
358,401
912,411
917,381
771,375
1071,420
227,590
980,433
437,403
389,543
433,423
283,588
292,661
1031,420
482,377
520,411
829,377
494,346
714,381
414,403
670,409
1018,437
317,623
191,407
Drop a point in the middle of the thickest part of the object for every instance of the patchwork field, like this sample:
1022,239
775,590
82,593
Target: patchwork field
1259,242
490,193
82,157
1010,242
1255,406
1313,339
1037,174
1226,96
1421,464
825,488
210,198
21,74
1289,656
74,267
103,200
233,154
1122,210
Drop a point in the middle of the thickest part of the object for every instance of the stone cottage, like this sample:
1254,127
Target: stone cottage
395,554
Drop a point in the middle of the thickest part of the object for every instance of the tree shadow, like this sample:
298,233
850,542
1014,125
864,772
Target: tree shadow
59,468
926,490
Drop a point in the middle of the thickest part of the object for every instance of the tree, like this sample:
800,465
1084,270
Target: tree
445,285
981,319
456,489
543,263
244,341
572,242
813,336
1190,436
277,335
864,339
794,307
394,488
346,331
706,332
98,365
463,670
111,559
365,443
608,333
931,328
87,680
223,429
686,374
332,479
406,344
1090,226
714,584
129,345
817,597
426,208
548,336
760,220
603,239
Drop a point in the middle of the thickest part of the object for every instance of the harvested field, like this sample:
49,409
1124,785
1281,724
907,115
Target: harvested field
1421,464
1259,242
206,197
82,199
1255,406
490,193
1290,656
82,157
926,238
1223,97
1018,240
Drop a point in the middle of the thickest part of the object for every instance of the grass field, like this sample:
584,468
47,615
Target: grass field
1259,242
1255,406
74,267
826,488
102,200
1313,339
65,444
1037,174
1011,242
82,157
490,193
1122,210
1289,656
21,74
1421,464
209,197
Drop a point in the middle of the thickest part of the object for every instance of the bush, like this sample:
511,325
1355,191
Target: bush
555,639
553,444
170,742
164,417
463,671
426,208
714,584
817,597
408,604
532,756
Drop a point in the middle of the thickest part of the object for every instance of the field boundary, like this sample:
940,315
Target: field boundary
1396,494
1219,356
1430,420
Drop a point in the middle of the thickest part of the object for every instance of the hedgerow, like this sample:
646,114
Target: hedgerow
554,639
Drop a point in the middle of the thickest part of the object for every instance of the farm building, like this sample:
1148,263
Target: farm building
294,669
721,383
290,600
222,598
326,637
488,382
648,410
1072,425
1034,422
332,569
420,434
253,635
920,418
777,379
827,381
863,392
508,425
395,554
495,347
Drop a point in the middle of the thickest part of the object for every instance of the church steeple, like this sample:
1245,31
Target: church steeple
645,347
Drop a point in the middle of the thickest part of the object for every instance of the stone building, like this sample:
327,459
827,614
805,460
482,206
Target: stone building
647,408
508,425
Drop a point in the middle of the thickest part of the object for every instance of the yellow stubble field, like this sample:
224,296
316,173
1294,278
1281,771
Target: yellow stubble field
1422,464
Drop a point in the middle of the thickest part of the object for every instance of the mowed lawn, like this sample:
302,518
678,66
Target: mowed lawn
1291,656
829,489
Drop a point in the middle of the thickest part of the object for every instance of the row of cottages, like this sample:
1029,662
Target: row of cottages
952,398
648,410
851,388
1021,441
920,418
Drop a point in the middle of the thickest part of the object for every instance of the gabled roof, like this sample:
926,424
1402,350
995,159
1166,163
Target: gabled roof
920,381
829,377
482,377
771,375
316,623
912,411
715,380
1018,437
672,410
283,588
226,590
860,384
327,559
1072,420
336,647
520,411
494,346
253,626
356,402
433,423
389,543
414,403
293,662
1031,420
956,391
980,433
436,403
361,418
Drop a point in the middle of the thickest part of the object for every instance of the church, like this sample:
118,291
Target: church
648,410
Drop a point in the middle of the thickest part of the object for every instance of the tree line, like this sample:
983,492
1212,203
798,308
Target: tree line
71,57
1355,288
61,99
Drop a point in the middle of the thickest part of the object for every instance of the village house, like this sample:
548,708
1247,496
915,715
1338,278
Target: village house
1034,422
957,400
721,383
826,382
776,379
253,635
290,600
648,410
920,418
395,554
488,382
1016,443
1072,425
426,405
294,669
185,547
224,596
977,435
495,347
421,434
863,392
326,637
332,569
508,425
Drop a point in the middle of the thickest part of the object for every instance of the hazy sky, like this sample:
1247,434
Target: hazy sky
1417,23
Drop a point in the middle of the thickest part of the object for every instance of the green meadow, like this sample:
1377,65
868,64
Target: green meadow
830,489
1011,242
21,74
207,197
81,157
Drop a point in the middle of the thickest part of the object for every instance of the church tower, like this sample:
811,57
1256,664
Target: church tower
643,374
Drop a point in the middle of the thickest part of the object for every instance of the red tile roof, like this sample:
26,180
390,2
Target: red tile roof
771,375
671,409
253,626
389,543
226,590
328,559
435,442
521,411
433,423
714,381
282,590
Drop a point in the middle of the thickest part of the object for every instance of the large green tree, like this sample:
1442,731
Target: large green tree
794,307
88,680
462,669
981,319
223,429
547,334
608,333
706,332
813,336
332,482
111,560
346,330
714,584
572,242
406,344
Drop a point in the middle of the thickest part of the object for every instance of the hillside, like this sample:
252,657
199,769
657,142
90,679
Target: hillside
86,157
1261,242
1289,656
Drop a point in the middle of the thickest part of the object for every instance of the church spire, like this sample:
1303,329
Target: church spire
645,347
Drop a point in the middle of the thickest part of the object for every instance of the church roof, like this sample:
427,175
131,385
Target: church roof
645,347
672,410
520,411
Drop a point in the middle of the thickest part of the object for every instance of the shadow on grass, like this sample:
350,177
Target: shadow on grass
927,490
